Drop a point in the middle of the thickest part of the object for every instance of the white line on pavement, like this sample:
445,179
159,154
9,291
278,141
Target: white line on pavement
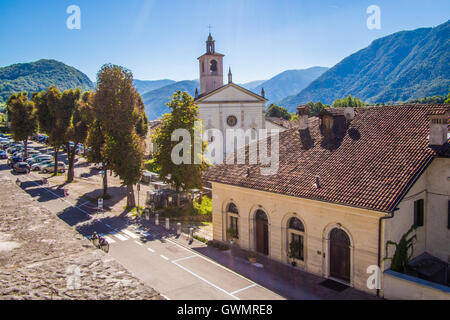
139,243
208,282
131,234
187,258
120,237
151,250
246,288
164,257
109,239
211,261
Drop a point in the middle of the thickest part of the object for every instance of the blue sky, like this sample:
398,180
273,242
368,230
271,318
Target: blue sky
159,39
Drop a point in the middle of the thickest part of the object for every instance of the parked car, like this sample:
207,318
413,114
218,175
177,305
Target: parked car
3,155
40,165
50,168
21,167
39,158
13,160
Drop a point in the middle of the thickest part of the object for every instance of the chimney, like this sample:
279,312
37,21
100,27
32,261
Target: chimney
303,121
230,76
303,117
438,129
263,93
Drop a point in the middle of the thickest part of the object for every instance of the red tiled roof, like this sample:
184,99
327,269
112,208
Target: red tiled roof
384,149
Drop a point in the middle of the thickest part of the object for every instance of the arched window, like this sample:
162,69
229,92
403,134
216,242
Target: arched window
213,67
261,215
296,224
296,239
232,208
233,222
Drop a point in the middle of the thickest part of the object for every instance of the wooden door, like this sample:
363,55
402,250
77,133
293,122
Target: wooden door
262,234
339,255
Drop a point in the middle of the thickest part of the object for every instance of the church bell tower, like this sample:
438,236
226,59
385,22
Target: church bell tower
211,68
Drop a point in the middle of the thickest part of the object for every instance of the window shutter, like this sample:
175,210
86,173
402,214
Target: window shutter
419,209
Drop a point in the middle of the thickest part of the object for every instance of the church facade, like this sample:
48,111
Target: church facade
226,107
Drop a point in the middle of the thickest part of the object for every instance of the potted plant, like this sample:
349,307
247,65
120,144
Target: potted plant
252,256
294,248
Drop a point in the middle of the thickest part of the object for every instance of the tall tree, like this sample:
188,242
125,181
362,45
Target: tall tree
278,112
77,131
184,115
120,112
54,114
23,118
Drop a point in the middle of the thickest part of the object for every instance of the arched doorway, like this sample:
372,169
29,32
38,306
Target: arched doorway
340,255
262,232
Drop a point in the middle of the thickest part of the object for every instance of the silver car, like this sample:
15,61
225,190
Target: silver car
40,165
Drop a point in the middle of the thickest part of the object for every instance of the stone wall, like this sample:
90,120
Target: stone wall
43,258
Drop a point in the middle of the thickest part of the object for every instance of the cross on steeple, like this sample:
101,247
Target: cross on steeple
209,27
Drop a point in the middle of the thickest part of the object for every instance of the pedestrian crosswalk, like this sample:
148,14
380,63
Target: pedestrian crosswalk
116,236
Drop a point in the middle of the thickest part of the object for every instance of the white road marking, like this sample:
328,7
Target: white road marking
187,258
164,257
109,239
246,288
139,243
108,225
210,261
131,234
208,282
120,237
151,250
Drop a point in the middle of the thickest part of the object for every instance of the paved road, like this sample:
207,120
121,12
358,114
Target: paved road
170,268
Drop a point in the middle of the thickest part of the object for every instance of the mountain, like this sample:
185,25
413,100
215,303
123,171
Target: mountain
402,66
155,101
39,75
288,83
252,85
144,86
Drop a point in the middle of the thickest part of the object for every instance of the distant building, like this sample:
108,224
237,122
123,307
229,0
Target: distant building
347,183
229,106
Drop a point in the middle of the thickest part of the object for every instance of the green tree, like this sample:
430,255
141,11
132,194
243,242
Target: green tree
77,131
278,112
121,114
54,114
184,115
23,118
348,102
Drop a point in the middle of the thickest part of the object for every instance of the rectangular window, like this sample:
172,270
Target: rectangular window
419,210
299,239
234,225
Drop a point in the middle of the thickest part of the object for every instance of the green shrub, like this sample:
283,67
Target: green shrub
151,166
204,208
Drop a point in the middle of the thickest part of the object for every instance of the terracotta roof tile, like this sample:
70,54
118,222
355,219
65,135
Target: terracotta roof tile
383,150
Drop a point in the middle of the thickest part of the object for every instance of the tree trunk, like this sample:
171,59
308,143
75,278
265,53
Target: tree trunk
105,182
71,158
25,143
131,201
55,173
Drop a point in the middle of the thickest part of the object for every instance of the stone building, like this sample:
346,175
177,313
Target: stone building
347,183
229,106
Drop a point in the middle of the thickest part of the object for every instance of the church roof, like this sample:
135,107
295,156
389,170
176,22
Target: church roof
372,165
203,96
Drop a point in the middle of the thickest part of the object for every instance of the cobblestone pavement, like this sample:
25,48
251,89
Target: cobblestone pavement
43,258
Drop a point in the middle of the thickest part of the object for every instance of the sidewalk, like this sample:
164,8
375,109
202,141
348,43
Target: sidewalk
287,281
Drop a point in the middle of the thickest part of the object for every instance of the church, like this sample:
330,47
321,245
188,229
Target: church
230,106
